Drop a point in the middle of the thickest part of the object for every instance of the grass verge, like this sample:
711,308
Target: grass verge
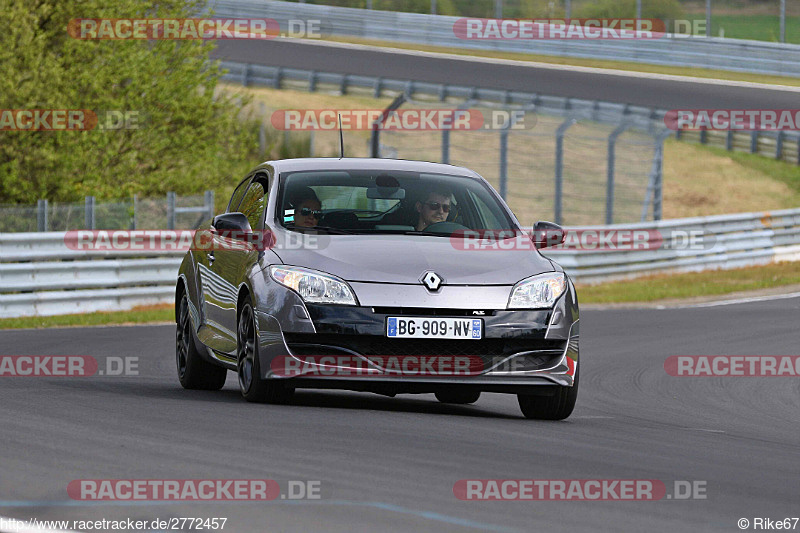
690,285
137,315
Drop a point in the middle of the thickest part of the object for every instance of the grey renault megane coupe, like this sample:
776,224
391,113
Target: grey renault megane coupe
381,276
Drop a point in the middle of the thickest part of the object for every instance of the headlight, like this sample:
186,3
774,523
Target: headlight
538,292
314,287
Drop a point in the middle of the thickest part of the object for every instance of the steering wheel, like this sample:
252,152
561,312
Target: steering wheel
445,227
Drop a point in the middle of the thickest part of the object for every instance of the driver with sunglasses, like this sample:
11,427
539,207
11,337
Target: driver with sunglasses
435,208
307,208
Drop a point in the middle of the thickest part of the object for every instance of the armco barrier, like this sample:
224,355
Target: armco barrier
40,275
437,30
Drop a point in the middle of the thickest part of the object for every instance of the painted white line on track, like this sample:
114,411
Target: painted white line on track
552,66
734,302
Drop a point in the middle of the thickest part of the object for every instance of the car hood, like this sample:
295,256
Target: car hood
405,258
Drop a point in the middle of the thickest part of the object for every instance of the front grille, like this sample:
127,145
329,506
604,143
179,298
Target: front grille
432,311
488,350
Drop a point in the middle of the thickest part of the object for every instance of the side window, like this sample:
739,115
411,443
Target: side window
236,197
488,219
253,204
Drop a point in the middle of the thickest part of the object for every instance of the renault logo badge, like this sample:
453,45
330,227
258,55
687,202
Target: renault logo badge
432,280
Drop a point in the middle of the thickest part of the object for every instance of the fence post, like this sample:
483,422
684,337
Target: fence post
208,202
753,142
41,215
779,145
262,140
612,141
559,177
729,141
312,81
783,22
88,212
135,211
170,210
504,162
654,185
276,82
375,143
446,146
245,75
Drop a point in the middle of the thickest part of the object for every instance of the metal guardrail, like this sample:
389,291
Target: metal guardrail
437,30
36,279
722,242
638,117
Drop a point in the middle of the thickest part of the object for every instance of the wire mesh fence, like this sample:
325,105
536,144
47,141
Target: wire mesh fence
172,211
596,174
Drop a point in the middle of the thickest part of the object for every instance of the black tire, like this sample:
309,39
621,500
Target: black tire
461,397
556,407
253,388
194,372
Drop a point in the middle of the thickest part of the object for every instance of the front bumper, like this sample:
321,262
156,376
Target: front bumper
520,349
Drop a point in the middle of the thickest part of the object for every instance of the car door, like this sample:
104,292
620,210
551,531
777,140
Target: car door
235,256
214,289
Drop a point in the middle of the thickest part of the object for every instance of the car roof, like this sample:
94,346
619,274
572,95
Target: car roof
366,163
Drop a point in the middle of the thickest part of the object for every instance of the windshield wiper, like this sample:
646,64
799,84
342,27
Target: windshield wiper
335,231
427,233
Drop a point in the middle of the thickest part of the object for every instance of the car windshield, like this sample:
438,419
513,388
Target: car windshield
381,201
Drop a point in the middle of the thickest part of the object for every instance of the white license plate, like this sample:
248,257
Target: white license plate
434,328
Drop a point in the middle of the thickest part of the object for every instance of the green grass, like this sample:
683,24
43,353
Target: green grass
690,285
781,171
756,27
135,316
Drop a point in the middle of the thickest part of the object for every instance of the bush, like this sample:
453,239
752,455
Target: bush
652,9
190,137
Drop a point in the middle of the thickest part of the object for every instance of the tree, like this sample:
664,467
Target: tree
189,136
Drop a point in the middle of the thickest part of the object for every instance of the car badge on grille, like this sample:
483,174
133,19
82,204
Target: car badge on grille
431,280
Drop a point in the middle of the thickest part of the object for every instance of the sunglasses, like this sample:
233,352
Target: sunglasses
434,206
306,211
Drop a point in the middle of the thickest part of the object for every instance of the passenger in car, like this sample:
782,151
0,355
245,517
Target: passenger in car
307,208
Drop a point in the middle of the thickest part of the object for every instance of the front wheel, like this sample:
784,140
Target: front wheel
252,386
194,372
556,407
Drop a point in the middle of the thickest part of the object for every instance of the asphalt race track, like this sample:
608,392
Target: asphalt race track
630,88
390,464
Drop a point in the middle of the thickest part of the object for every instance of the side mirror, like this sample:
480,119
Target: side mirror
236,223
547,234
